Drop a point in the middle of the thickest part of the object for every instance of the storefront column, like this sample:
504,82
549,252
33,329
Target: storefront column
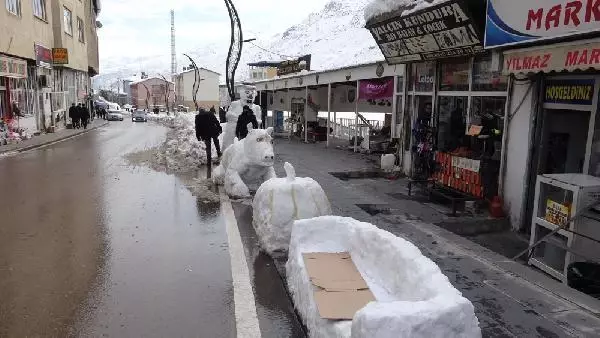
305,110
328,111
394,105
356,116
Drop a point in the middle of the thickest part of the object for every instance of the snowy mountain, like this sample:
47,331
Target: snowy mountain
335,36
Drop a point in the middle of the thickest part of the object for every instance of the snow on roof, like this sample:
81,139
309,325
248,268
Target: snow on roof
379,7
191,69
150,78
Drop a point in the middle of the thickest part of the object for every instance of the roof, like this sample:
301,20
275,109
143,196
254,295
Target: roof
264,64
206,69
321,71
150,78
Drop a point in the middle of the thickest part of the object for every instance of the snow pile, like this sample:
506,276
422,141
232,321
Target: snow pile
414,298
280,201
182,151
162,118
379,7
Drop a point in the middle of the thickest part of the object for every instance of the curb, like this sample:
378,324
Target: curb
60,139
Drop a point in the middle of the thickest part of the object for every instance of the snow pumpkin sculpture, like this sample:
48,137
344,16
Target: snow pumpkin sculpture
280,201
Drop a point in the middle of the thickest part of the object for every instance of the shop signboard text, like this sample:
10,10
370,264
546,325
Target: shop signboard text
11,67
441,31
60,56
580,91
294,66
511,22
570,57
43,56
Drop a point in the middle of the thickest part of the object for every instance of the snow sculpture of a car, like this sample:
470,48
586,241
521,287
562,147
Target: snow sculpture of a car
279,202
249,161
414,298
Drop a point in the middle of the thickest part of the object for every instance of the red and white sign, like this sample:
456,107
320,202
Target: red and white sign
511,22
569,57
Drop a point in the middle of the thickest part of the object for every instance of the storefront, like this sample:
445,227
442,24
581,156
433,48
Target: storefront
450,111
552,58
13,79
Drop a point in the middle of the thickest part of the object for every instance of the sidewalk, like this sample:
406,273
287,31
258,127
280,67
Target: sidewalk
510,298
45,139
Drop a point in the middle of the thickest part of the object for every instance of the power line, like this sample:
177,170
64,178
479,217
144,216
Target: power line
268,51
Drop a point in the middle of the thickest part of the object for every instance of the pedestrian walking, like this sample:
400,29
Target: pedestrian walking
247,116
84,115
208,129
74,115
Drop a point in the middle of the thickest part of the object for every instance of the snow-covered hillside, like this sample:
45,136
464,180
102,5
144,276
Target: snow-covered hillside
335,37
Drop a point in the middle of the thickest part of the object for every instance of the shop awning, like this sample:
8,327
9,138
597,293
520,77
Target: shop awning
577,55
11,67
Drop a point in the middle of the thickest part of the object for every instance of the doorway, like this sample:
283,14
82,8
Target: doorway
564,140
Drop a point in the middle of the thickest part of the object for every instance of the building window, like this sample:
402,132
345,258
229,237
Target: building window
68,21
39,9
80,31
422,77
14,6
454,76
486,79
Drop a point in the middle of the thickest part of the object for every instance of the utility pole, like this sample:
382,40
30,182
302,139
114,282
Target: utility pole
173,54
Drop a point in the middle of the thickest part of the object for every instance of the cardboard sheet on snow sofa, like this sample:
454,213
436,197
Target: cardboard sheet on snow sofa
340,290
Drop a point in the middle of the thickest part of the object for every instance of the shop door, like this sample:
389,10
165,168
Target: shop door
562,148
451,122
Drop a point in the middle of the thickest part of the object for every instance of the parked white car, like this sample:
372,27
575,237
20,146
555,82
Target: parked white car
114,115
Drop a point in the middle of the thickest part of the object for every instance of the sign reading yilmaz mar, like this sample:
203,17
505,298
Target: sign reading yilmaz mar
440,31
511,22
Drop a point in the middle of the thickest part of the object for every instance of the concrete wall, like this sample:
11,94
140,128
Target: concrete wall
18,34
517,151
78,51
91,35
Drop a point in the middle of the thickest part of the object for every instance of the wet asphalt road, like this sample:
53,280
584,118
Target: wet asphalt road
91,245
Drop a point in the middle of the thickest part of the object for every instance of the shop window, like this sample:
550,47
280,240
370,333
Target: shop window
408,122
399,84
488,113
484,79
451,122
454,76
422,77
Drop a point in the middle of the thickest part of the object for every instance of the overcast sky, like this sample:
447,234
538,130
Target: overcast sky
139,28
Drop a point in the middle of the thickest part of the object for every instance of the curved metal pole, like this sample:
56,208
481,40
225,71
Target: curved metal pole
235,48
196,81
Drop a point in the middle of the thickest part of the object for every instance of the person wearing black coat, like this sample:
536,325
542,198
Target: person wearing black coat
247,116
74,115
208,129
222,115
84,115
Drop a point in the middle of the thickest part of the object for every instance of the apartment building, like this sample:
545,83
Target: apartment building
48,53
208,88
152,92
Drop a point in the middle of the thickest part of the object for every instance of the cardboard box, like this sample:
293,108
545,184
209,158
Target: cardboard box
340,291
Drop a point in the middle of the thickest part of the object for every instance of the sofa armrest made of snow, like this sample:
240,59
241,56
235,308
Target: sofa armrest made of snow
414,298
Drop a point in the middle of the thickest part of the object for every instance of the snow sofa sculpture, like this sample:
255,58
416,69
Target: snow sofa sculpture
414,298
279,202
249,161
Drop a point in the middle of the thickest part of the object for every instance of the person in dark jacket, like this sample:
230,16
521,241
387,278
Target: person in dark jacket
208,129
84,115
222,115
74,115
247,116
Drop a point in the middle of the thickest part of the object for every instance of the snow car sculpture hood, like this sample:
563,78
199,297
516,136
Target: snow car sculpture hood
249,161
246,93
